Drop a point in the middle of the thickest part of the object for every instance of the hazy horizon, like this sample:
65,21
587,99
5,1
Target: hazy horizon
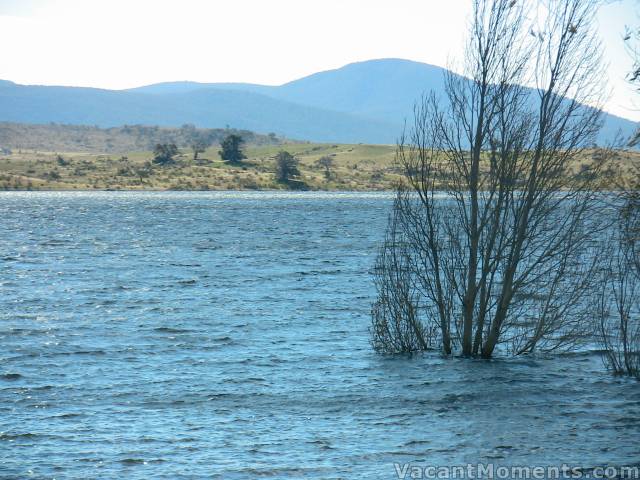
121,45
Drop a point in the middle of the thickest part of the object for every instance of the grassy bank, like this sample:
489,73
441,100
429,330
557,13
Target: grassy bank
354,167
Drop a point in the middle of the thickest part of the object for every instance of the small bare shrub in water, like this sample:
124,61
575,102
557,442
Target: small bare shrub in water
619,307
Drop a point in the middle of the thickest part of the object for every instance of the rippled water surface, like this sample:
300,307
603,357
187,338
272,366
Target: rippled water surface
191,335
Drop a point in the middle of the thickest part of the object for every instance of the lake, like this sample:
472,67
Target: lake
225,335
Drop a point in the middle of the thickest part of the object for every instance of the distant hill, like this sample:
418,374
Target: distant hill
128,138
361,102
206,108
383,89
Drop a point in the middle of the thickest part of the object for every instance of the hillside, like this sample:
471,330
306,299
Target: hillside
363,102
206,108
383,89
354,167
80,138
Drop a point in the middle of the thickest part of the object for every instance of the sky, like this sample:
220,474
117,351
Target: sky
126,43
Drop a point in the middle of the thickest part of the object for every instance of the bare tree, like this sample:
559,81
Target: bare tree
632,39
619,307
498,224
396,326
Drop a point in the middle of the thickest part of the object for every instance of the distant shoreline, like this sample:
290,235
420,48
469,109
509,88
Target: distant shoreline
345,167
322,167
130,190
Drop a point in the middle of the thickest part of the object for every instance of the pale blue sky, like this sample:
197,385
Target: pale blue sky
126,43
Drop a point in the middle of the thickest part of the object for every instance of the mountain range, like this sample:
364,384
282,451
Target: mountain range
363,102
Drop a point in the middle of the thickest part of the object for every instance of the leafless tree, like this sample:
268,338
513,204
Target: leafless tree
619,306
496,226
396,327
632,37
632,41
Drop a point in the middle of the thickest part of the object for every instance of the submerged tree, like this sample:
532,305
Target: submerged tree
619,306
397,326
490,241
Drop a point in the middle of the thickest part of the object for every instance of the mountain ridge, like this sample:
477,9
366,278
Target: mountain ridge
362,102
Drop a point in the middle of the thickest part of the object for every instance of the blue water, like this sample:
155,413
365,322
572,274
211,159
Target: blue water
224,335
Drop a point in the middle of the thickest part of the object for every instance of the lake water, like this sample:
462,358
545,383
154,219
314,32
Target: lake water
224,335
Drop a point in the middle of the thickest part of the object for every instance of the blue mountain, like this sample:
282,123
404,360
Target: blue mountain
360,102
